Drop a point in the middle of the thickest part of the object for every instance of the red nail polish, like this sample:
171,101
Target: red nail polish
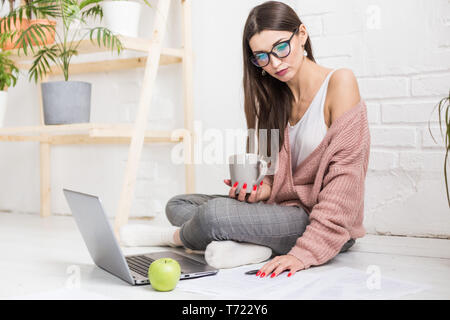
261,183
254,187
290,274
263,274
258,273
244,186
273,275
235,184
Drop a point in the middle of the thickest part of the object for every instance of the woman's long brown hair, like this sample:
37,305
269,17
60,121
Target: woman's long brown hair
267,100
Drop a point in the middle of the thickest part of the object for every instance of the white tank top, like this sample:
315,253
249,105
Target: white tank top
310,130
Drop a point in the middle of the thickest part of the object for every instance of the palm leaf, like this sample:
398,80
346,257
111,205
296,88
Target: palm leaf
94,12
46,8
86,3
32,35
41,65
110,40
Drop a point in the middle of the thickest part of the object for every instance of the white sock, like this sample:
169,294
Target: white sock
230,254
146,235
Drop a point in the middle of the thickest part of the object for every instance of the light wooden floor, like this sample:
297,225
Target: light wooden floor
44,255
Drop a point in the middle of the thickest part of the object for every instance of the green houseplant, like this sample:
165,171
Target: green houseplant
11,29
64,101
443,106
8,78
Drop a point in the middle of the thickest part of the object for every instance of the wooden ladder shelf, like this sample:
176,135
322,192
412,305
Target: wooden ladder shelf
135,134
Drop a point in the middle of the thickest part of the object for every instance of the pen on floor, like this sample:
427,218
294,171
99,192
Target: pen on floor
252,272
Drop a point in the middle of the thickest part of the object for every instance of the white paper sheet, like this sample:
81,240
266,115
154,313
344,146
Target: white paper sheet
339,283
349,283
234,283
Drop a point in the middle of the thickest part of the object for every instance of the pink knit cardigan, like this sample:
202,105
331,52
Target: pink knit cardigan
329,185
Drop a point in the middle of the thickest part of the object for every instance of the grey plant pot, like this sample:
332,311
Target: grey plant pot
66,102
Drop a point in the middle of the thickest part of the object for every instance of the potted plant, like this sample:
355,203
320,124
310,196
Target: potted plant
444,105
122,16
8,78
66,101
10,32
12,27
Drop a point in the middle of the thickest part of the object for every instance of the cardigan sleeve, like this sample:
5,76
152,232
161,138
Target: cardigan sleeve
339,203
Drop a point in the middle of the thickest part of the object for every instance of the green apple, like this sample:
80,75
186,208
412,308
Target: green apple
164,274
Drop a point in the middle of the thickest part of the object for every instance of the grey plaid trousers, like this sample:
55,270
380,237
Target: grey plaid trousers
204,218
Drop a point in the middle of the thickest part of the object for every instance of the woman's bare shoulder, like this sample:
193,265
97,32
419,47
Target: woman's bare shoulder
343,92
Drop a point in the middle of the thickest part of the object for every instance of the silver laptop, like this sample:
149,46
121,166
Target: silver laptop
105,250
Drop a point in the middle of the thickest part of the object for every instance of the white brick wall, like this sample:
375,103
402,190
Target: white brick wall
430,85
393,137
413,112
399,51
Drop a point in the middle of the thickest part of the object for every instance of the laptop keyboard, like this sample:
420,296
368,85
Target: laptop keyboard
139,264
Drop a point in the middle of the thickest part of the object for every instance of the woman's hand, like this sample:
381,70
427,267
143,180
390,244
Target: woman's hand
279,264
259,193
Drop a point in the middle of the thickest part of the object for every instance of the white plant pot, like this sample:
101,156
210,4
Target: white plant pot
3,102
122,17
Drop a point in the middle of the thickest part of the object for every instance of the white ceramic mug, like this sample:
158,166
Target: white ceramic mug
247,168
